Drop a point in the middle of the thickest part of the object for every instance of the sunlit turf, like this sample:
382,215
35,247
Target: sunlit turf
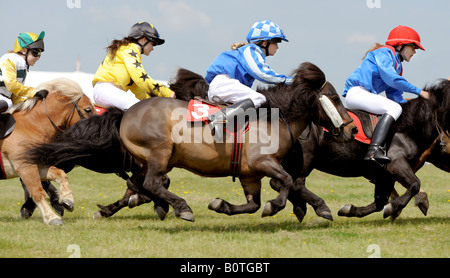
138,232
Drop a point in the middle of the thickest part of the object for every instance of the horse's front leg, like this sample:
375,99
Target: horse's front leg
27,209
271,168
252,191
405,175
30,176
384,184
65,193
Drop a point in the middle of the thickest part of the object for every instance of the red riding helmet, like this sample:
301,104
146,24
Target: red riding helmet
403,35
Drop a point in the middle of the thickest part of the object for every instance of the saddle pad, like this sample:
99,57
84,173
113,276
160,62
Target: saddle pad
366,124
199,111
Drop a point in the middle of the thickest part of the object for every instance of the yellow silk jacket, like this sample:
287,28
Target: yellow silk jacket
13,71
126,72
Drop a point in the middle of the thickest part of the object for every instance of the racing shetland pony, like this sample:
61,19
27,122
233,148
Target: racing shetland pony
416,133
151,131
40,121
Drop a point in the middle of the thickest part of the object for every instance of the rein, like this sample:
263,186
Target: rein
66,122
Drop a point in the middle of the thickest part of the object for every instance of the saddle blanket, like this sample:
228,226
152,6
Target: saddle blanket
199,111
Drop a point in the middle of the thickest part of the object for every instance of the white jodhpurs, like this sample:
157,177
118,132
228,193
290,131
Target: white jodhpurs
360,99
107,94
232,91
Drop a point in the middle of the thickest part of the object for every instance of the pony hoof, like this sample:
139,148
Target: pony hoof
327,215
267,210
25,213
388,210
97,215
422,202
133,201
215,204
160,212
68,205
56,222
299,213
188,216
344,210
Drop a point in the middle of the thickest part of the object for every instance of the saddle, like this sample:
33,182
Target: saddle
366,123
199,109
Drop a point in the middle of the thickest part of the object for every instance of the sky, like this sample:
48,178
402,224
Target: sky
332,34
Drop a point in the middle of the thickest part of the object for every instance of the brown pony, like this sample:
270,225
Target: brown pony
153,133
39,121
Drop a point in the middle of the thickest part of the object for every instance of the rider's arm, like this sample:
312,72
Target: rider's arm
390,76
256,66
9,76
132,60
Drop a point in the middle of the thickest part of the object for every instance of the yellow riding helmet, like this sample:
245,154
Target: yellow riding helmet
29,40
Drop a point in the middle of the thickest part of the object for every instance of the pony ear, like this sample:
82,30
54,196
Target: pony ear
310,74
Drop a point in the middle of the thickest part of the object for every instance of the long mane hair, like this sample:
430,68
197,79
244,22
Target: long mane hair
65,86
416,115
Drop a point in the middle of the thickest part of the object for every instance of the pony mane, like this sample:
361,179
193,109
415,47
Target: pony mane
298,99
65,86
419,109
188,84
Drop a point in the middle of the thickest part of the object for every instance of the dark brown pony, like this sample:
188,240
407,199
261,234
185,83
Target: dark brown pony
153,133
39,121
417,133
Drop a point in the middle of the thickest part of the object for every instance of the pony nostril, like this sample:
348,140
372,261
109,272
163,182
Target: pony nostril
354,130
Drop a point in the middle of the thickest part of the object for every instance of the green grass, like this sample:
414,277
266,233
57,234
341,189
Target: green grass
138,232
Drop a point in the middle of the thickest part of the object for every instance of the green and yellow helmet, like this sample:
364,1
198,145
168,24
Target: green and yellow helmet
30,41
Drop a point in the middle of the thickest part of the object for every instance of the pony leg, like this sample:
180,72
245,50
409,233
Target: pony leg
65,193
109,210
252,190
393,208
383,189
271,168
31,179
155,181
27,209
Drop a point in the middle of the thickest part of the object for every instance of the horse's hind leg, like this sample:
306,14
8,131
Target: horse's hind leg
252,190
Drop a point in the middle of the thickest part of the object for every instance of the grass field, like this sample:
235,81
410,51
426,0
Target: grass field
138,232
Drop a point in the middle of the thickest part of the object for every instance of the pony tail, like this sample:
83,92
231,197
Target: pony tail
374,47
116,44
237,45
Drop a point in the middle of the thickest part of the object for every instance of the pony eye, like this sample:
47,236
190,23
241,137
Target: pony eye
88,110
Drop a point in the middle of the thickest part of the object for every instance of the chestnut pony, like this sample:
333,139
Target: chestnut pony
39,121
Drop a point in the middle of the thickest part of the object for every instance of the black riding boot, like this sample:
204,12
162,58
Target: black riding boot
225,115
3,106
375,151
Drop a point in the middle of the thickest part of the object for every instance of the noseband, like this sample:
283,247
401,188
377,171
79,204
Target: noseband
66,122
336,131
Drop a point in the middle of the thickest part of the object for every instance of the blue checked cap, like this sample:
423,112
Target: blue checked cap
265,30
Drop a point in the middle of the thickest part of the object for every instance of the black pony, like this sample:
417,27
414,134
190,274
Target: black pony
421,122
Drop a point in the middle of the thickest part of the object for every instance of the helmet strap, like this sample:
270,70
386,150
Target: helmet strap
400,52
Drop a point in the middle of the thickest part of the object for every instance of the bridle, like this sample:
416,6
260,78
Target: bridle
66,122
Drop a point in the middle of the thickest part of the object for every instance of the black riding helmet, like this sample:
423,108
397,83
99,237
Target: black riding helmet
145,29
